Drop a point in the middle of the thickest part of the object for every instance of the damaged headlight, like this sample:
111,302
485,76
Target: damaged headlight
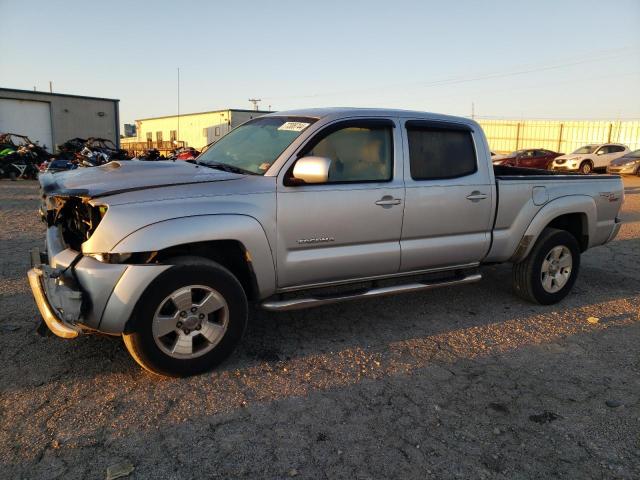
110,257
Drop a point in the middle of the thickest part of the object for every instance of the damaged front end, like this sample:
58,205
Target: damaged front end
55,276
78,291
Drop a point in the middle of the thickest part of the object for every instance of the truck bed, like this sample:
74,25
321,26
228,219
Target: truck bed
503,172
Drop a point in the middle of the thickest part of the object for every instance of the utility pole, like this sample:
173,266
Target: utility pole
255,102
473,111
50,86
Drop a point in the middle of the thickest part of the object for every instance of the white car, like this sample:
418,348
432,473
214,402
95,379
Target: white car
590,157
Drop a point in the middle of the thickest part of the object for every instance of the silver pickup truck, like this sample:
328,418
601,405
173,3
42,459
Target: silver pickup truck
300,209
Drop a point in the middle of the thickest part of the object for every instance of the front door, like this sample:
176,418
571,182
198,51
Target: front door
349,227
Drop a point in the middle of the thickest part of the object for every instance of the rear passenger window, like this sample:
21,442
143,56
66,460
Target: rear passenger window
440,153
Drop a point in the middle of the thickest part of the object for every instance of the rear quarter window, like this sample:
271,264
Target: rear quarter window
440,152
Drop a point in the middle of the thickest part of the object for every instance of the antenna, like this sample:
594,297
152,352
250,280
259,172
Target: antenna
255,102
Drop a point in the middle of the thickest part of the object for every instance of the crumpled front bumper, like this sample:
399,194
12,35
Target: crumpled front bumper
76,293
60,318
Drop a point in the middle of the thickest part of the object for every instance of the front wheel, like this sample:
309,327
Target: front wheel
188,320
586,167
548,273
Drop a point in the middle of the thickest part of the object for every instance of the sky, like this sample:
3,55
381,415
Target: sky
561,59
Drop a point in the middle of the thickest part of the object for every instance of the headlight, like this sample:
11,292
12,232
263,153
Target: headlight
110,257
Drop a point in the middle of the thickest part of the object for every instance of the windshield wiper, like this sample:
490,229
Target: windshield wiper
227,168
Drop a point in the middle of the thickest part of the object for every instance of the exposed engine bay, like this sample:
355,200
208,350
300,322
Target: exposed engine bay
76,217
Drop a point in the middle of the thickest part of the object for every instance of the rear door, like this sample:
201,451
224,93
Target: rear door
348,228
449,196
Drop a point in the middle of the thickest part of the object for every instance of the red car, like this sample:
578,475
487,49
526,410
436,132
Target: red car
530,158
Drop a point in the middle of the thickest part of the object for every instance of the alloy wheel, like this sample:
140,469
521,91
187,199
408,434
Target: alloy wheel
190,321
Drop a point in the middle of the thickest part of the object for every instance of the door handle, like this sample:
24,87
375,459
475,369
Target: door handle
388,201
476,196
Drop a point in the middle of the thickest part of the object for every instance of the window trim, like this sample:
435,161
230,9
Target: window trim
437,125
312,141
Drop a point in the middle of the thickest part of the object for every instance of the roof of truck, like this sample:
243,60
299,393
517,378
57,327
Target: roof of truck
339,112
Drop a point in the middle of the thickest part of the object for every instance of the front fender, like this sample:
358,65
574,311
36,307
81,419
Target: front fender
204,228
582,204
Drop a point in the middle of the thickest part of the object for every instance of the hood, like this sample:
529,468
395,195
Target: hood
128,176
625,159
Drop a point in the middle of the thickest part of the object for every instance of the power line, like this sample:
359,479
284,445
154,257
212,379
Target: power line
465,79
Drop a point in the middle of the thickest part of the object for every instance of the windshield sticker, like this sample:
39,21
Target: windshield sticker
293,126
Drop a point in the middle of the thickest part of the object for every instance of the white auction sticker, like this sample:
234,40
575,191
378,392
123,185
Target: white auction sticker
293,126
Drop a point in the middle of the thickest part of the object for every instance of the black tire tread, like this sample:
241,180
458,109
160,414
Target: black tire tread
132,339
523,271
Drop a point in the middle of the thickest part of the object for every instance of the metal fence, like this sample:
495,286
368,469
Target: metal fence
509,135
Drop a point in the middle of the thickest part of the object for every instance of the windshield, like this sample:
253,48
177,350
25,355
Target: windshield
587,149
634,154
255,145
516,153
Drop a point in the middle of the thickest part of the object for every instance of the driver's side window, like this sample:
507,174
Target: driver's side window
357,153
602,151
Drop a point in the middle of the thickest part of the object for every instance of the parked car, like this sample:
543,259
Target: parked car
301,209
60,165
590,157
627,165
528,158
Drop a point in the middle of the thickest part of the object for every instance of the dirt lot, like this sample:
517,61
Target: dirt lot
467,382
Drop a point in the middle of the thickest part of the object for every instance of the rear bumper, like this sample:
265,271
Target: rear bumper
616,228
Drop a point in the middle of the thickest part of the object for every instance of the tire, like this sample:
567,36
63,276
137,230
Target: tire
13,177
586,167
529,281
194,283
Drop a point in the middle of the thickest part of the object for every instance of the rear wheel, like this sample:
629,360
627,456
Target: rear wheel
586,167
188,320
548,273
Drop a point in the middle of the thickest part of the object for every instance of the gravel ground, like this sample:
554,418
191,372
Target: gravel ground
466,382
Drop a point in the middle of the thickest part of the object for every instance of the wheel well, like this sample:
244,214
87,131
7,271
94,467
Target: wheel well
231,254
576,225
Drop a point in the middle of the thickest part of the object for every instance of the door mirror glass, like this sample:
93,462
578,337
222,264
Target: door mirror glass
312,169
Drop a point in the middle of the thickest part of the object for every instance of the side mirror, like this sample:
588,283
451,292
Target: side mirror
312,169
600,152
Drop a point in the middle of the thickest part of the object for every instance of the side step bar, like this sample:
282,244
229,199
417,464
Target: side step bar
308,302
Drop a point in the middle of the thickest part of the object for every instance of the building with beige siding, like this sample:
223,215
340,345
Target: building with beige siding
190,130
